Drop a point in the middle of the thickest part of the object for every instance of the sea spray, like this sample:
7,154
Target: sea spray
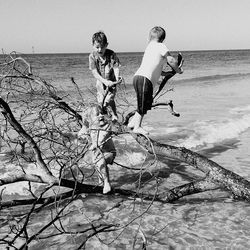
212,132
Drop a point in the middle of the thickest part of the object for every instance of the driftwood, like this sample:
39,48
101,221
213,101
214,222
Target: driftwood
215,176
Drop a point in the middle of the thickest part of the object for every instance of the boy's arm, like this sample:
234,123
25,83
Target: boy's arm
117,72
101,79
116,67
117,75
95,73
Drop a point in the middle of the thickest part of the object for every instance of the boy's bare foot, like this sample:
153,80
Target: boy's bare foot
140,130
114,118
106,188
131,123
175,114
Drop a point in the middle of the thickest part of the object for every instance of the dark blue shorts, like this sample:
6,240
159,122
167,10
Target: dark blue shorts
144,92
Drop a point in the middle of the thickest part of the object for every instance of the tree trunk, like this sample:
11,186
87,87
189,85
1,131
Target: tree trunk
216,176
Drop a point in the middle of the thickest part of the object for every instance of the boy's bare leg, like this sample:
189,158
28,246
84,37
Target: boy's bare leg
135,121
106,184
113,111
104,173
171,108
106,187
131,123
137,124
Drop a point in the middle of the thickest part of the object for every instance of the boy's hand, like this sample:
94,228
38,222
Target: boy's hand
110,83
120,79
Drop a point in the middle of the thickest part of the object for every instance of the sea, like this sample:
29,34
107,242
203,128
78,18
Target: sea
212,97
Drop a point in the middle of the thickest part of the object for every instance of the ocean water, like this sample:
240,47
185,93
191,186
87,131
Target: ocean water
212,95
213,99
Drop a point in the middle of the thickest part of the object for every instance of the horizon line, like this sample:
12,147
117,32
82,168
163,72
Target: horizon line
119,52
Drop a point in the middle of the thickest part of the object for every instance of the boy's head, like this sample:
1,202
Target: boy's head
157,34
99,42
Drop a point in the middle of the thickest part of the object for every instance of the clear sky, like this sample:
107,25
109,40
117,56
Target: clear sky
66,26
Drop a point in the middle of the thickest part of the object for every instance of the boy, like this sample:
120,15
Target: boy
148,74
104,65
102,147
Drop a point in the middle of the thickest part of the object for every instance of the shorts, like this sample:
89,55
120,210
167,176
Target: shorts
105,154
101,94
144,93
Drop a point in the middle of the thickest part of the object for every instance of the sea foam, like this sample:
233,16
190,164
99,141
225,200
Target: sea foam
212,132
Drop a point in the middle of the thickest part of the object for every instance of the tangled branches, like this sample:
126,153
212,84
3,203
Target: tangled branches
39,141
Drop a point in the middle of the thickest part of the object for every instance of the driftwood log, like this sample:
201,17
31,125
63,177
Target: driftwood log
215,176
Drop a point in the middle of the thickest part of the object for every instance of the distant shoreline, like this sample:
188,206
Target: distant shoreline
133,52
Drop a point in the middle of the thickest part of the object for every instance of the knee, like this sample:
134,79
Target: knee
110,157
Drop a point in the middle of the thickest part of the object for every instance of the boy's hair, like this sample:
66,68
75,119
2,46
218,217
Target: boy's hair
157,33
100,37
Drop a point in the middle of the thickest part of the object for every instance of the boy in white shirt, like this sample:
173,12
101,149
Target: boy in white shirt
146,77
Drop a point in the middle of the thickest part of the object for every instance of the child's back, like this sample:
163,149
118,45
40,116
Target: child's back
153,61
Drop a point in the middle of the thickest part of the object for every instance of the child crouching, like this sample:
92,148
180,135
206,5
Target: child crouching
98,131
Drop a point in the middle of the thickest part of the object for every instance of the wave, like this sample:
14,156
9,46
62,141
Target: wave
239,110
205,133
212,78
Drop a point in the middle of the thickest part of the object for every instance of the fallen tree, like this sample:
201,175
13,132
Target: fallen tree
215,176
47,123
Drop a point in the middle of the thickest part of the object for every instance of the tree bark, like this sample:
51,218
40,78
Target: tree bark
216,175
6,111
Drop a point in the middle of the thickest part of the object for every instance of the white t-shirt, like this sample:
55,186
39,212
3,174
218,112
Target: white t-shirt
153,60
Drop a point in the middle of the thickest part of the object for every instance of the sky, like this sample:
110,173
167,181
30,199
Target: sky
66,26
